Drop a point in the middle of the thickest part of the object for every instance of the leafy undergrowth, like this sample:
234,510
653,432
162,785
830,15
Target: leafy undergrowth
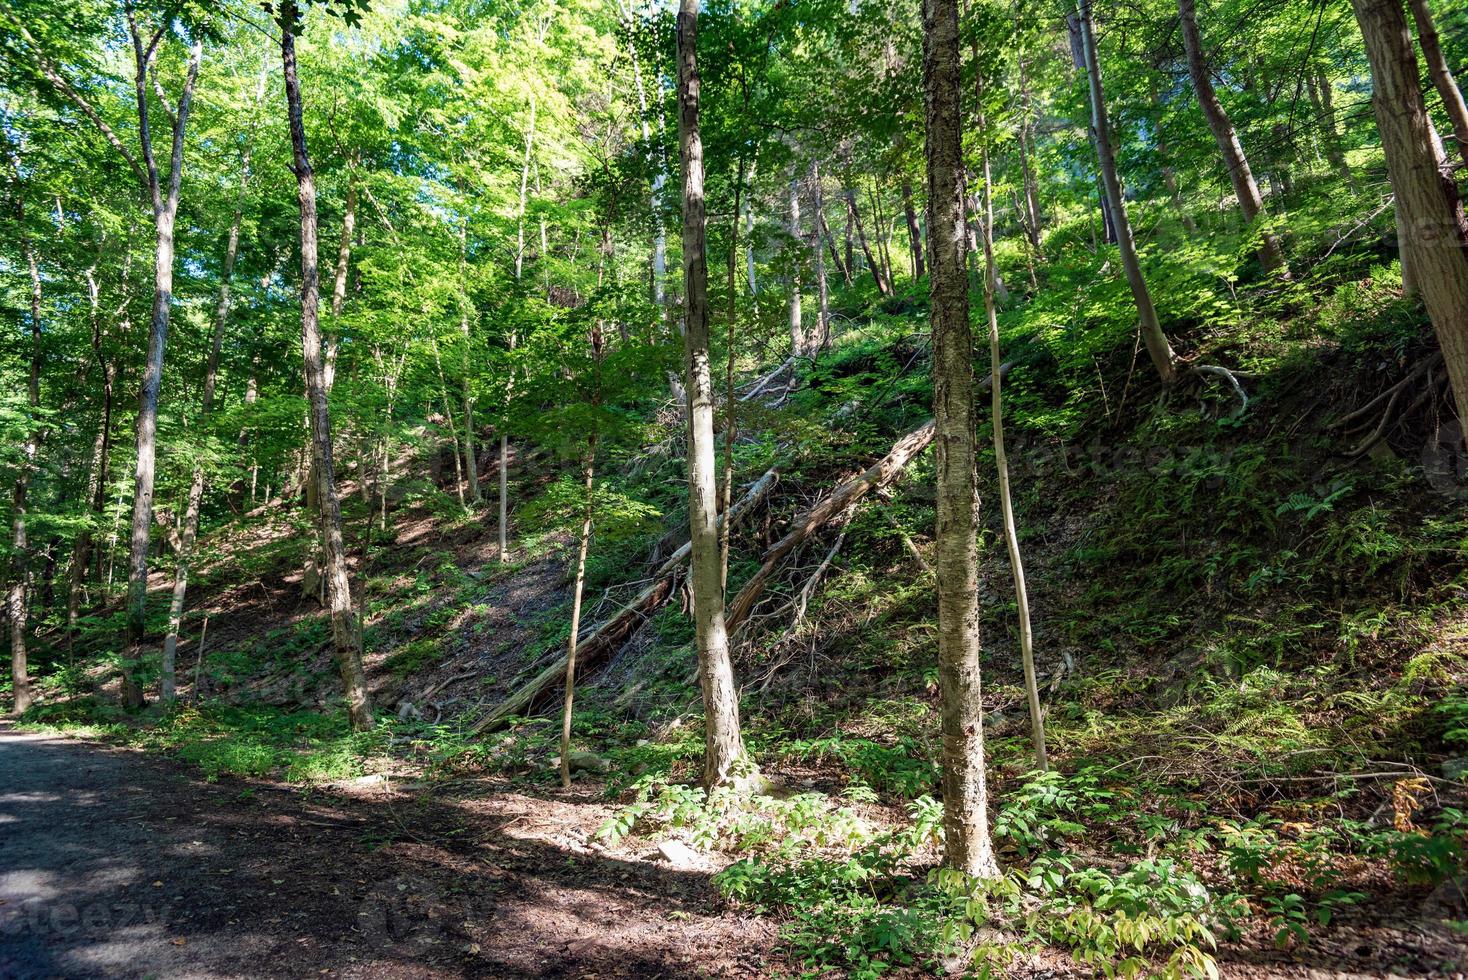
301,747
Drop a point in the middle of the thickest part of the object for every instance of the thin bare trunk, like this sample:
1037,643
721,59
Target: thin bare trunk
853,218
1157,346
725,754
590,470
1001,464
338,588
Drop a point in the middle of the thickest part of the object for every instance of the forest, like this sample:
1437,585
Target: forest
751,488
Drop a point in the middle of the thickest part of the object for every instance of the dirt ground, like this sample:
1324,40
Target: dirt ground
113,864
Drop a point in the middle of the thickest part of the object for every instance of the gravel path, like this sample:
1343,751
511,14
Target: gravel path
116,864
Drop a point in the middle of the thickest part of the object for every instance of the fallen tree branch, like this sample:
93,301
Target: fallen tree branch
606,638
846,495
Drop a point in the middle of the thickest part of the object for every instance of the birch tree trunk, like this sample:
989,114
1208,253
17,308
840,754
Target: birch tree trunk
1237,164
1157,346
165,211
1442,76
471,458
1429,209
724,744
967,846
337,587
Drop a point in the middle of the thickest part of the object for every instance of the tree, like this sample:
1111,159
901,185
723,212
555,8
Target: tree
1234,160
1442,75
1429,209
338,592
165,212
967,846
1158,348
724,744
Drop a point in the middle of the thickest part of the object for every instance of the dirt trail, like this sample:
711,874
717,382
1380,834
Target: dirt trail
113,864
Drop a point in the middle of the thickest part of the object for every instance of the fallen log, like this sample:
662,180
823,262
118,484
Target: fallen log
846,495
606,638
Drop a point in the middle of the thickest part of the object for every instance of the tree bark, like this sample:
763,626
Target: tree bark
337,587
1237,164
1430,211
165,211
1158,348
725,754
1442,75
967,845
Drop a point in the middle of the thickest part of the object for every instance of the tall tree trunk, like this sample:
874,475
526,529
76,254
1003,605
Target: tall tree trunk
967,846
165,211
1001,463
1431,213
1442,76
1237,164
724,745
1157,346
914,234
18,599
311,583
338,588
